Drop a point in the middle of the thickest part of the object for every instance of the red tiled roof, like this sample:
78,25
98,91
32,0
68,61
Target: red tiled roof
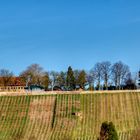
15,81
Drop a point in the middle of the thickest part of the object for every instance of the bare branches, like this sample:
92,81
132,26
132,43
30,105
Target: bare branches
102,76
6,77
119,73
98,74
34,74
106,71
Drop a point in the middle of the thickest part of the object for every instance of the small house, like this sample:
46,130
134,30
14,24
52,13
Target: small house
35,88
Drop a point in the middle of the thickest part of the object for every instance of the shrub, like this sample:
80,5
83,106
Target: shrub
108,132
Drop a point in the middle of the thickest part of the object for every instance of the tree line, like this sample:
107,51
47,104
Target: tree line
103,76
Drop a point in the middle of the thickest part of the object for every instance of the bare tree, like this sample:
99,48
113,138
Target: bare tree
98,73
91,78
61,79
33,74
130,82
135,77
76,75
6,77
53,78
82,79
45,80
106,70
119,73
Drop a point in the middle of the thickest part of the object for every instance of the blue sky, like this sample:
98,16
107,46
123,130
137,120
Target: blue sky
79,33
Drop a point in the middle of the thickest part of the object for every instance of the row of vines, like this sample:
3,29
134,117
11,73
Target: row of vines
68,117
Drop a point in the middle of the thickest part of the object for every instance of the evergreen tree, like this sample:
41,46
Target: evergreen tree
70,80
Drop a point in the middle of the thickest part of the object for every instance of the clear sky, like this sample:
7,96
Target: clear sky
59,33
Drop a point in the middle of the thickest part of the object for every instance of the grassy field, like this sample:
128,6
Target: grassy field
67,117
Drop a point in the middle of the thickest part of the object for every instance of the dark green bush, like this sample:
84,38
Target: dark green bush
108,132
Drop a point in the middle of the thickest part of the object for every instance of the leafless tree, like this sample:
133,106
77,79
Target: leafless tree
33,74
98,73
119,73
135,77
130,82
61,79
53,78
106,70
45,80
82,79
76,75
6,77
91,78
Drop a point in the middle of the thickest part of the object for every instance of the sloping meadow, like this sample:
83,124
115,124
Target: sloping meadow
68,116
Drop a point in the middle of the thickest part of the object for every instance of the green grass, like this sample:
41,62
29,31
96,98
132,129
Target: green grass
67,117
12,122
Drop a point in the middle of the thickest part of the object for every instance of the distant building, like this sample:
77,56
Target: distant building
36,88
15,84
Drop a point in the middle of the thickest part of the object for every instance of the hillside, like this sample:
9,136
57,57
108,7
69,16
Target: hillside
67,117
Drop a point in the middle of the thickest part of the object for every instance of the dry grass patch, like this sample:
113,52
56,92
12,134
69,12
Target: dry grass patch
41,109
